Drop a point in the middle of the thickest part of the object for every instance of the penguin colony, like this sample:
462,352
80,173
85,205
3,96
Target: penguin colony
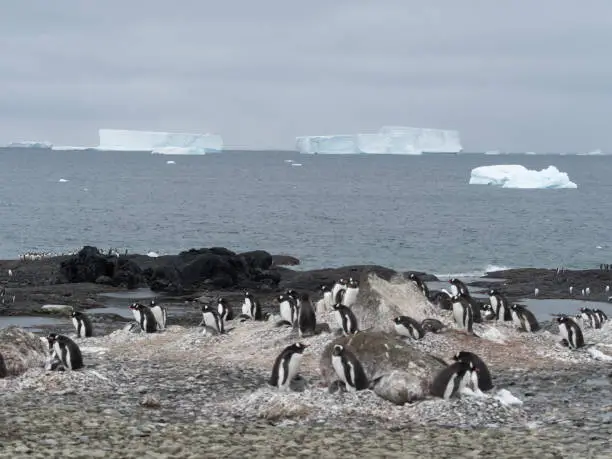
467,371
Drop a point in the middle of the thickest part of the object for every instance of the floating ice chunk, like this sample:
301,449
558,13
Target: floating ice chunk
70,148
170,162
31,144
296,164
165,143
288,160
506,398
517,176
153,254
62,180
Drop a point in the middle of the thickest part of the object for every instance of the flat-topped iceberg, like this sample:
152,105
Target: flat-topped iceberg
517,176
159,142
30,144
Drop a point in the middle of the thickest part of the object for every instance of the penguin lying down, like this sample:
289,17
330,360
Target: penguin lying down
467,371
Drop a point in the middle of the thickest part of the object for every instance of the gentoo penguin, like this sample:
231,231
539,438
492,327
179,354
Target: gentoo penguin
524,319
160,313
442,300
328,299
487,312
458,287
287,309
336,294
450,380
225,310
82,324
212,319
485,382
407,326
607,288
346,319
286,366
602,315
144,316
307,319
571,289
420,284
500,306
587,291
66,350
589,317
251,307
571,332
348,368
462,313
350,294
432,325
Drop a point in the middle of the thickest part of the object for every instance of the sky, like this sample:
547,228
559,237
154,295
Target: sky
515,75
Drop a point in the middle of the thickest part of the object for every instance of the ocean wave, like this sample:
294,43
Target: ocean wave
476,273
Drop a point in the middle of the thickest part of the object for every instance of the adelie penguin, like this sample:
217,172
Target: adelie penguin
66,350
420,284
500,306
407,326
449,381
286,366
251,307
160,313
145,318
351,292
82,324
524,319
346,319
571,332
462,313
212,319
485,382
225,310
348,369
307,319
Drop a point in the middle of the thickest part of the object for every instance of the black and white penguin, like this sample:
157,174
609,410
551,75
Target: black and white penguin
307,319
462,313
590,317
337,295
66,350
160,313
571,332
500,306
442,300
328,299
346,319
348,368
407,326
602,315
524,319
487,312
286,366
485,382
420,284
82,324
458,287
432,325
450,380
145,318
350,294
225,310
251,307
212,319
287,309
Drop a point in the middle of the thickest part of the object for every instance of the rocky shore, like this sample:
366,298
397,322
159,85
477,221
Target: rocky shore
179,393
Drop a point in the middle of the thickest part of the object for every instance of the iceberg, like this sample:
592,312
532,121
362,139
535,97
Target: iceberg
30,144
159,142
517,176
398,140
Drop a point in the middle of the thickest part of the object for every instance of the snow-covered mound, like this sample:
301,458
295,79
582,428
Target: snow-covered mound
517,176
159,142
30,144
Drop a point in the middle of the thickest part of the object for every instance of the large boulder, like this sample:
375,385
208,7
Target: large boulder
399,372
21,350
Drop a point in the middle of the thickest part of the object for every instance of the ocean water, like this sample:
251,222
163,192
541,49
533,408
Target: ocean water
405,212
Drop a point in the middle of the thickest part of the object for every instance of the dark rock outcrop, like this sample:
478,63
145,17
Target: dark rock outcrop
312,280
21,350
3,370
285,260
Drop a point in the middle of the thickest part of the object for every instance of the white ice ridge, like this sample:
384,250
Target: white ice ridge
30,144
517,176
159,142
388,140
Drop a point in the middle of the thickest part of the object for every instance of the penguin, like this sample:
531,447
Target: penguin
340,285
485,382
420,284
487,312
590,317
536,292
462,313
450,380
587,291
571,289
144,316
345,319
348,368
350,294
212,319
307,319
407,326
442,300
432,325
225,310
458,287
251,307
500,306
571,332
524,319
287,306
601,315
82,324
66,350
286,366
607,288
328,299
160,313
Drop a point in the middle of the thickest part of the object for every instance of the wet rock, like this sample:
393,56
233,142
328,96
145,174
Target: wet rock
21,350
284,260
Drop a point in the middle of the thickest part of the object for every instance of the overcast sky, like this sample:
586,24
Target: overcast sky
519,75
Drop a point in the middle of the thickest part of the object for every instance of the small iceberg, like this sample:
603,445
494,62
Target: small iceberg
296,164
517,176
62,180
170,162
288,160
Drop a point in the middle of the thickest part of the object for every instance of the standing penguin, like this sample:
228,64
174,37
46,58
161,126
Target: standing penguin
145,318
571,332
307,319
287,306
484,376
212,319
82,324
462,313
420,284
407,326
450,380
225,310
590,317
499,303
351,292
286,366
66,350
458,287
345,319
251,307
601,315
160,313
336,291
349,369
524,319
328,299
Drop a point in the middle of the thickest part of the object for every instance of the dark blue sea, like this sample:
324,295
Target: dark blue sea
405,212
